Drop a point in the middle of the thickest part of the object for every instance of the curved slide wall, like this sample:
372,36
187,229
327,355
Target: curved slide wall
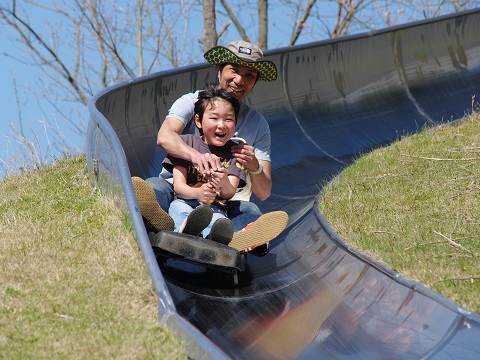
311,296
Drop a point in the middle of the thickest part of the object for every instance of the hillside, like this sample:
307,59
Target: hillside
74,283
415,206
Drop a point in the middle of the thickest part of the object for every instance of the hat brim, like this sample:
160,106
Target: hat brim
221,55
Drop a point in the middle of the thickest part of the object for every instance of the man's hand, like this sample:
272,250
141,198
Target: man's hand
207,163
245,155
261,181
168,139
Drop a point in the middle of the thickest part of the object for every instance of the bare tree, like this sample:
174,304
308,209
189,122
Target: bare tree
300,24
80,47
263,24
303,21
112,42
346,10
125,42
209,29
236,21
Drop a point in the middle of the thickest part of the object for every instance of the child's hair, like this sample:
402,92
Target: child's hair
207,97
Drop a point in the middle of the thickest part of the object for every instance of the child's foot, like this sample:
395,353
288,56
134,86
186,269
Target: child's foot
222,231
149,207
266,228
197,220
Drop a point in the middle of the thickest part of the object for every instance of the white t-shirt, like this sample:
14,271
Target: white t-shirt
251,126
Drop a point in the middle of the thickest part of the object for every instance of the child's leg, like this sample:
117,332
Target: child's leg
179,211
221,231
220,228
190,216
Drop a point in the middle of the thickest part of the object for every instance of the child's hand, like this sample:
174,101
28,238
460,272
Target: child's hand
206,193
219,178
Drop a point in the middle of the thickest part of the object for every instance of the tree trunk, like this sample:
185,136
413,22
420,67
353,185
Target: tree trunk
263,24
209,30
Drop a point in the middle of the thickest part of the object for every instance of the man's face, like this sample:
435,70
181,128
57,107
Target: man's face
238,79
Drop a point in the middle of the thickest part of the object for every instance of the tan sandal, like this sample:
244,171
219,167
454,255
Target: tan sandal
149,206
266,228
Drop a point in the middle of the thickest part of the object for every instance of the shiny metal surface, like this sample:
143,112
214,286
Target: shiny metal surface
311,296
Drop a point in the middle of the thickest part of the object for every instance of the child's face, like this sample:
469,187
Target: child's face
218,123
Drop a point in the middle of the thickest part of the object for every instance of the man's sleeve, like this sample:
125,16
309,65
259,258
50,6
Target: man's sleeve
183,108
263,142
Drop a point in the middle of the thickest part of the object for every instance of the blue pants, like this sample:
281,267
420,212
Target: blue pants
180,208
241,213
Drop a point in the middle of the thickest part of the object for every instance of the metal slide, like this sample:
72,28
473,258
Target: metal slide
311,296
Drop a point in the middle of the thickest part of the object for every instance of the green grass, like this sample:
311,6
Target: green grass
73,280
415,206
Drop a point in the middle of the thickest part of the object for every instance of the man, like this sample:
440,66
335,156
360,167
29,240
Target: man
239,66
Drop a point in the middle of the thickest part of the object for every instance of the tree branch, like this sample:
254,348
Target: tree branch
301,23
237,24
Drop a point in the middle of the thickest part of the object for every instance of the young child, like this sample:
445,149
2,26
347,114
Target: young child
199,205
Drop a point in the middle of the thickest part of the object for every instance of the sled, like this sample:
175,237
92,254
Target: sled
197,250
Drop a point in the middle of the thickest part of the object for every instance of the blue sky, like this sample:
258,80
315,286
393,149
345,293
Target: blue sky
9,68
18,101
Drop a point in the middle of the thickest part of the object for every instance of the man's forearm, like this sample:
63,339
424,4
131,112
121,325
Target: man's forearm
168,139
262,182
175,146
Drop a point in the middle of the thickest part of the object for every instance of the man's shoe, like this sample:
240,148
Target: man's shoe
267,227
149,206
197,220
260,250
222,231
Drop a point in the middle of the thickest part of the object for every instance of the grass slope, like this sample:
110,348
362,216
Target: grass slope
415,206
73,281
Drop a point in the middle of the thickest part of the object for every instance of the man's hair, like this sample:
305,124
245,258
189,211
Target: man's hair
207,97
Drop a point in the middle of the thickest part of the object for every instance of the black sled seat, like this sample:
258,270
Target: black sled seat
197,250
